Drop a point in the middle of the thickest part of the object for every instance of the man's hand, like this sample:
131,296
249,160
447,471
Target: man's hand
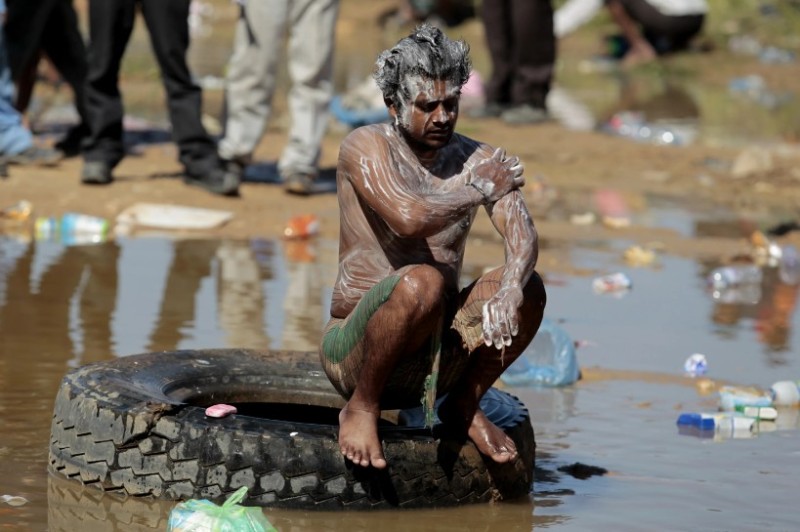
497,176
500,321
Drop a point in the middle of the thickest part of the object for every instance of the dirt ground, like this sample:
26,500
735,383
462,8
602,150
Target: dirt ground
558,162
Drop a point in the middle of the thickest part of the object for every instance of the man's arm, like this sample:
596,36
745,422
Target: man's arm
513,221
417,211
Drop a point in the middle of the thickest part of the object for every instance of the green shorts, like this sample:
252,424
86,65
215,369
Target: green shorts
342,347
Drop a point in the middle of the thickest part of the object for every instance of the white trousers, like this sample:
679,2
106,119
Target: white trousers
252,75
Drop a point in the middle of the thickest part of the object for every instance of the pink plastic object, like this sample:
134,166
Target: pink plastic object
220,410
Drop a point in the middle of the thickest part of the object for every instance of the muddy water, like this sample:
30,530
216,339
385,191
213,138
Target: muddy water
64,306
61,307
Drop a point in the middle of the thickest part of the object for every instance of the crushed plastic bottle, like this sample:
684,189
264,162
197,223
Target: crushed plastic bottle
615,282
731,397
716,421
717,425
746,294
72,229
549,360
734,275
696,365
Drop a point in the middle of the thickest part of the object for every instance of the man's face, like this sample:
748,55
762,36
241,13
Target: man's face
429,118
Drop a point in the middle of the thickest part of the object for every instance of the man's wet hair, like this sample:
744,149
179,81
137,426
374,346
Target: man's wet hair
427,52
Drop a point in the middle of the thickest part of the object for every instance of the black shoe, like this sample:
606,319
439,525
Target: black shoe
35,155
299,183
219,181
70,145
234,166
96,173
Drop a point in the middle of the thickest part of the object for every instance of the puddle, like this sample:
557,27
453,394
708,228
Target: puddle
61,307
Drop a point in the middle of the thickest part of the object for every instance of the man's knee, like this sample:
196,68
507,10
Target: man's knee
534,290
422,286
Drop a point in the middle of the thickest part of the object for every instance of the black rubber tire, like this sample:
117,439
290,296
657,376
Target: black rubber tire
136,425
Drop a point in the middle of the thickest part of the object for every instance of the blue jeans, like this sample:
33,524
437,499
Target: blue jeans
14,137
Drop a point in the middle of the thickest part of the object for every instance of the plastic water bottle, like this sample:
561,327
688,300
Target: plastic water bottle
734,275
717,421
785,393
72,228
731,398
549,360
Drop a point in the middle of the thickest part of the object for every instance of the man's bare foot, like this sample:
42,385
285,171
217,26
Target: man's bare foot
487,437
358,437
491,440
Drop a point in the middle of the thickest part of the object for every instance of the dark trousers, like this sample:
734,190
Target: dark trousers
110,26
666,33
522,47
50,26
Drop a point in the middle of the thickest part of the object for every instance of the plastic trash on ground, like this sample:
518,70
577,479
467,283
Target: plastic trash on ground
166,216
639,256
201,515
13,500
18,212
696,365
301,226
615,282
731,397
549,360
785,393
72,229
716,425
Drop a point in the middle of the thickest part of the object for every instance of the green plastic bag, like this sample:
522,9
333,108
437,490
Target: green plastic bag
204,516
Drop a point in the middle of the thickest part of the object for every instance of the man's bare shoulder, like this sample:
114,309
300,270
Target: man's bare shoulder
364,138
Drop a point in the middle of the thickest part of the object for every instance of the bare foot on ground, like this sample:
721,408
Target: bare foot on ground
491,440
358,437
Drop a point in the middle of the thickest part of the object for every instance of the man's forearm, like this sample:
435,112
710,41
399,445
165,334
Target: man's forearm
521,240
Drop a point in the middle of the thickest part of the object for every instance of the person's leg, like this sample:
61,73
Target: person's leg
25,23
252,75
394,319
14,137
169,35
110,26
626,15
496,16
461,408
64,46
310,54
25,82
533,53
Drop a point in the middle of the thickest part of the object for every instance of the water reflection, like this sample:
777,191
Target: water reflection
770,307
127,296
57,296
